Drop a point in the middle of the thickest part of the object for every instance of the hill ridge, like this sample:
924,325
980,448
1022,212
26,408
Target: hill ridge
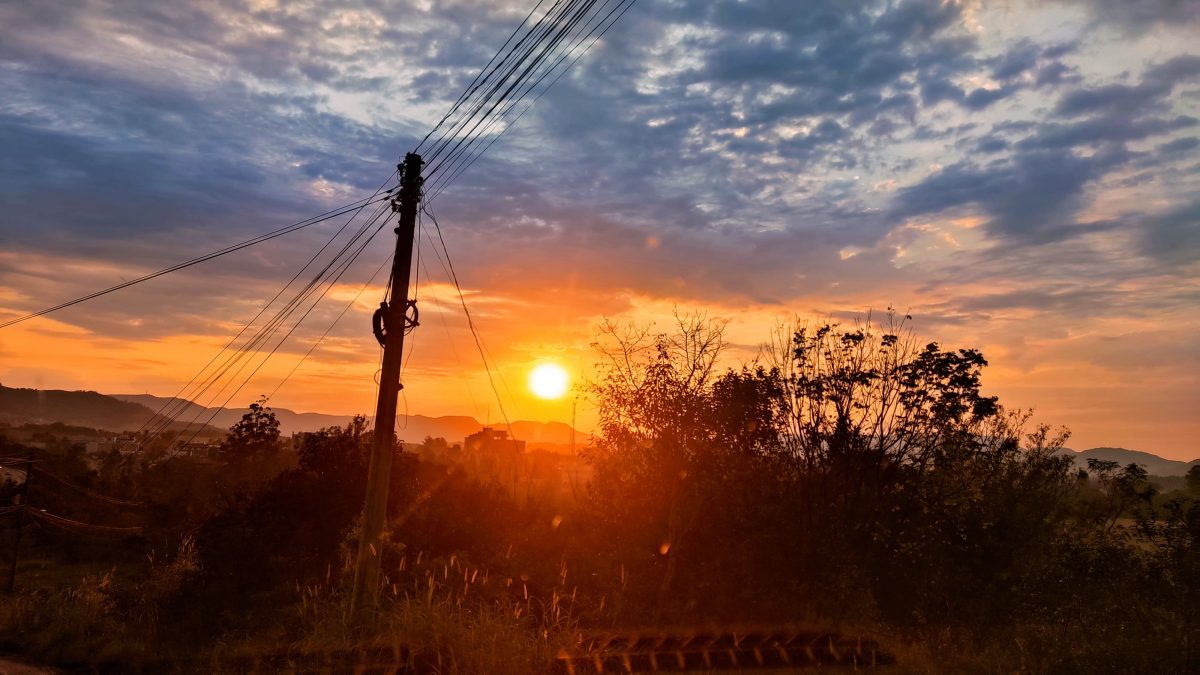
1154,464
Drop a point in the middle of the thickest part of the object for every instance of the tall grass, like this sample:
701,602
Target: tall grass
446,615
96,622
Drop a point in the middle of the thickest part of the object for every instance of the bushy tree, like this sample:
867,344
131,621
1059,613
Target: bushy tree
855,460
906,474
253,438
290,530
679,445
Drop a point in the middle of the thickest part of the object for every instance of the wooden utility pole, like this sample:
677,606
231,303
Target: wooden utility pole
391,322
12,571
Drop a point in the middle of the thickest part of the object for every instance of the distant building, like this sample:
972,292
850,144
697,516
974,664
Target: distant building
491,454
493,441
199,449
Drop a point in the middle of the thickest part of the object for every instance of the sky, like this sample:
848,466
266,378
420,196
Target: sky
1020,177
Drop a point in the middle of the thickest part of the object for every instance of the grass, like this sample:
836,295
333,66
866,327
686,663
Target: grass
91,615
448,616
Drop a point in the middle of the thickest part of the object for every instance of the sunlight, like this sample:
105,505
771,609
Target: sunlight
549,381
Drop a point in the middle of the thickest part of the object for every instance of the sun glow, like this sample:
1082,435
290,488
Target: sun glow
549,381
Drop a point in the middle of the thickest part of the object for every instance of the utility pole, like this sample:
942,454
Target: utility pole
391,322
12,571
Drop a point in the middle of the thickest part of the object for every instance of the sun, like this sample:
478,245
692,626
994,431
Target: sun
549,381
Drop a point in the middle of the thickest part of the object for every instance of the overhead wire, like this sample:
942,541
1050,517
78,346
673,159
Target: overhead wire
439,185
184,395
178,402
451,153
264,333
194,261
319,340
472,87
81,527
510,66
548,39
562,26
85,491
521,59
243,353
449,337
333,279
470,320
534,51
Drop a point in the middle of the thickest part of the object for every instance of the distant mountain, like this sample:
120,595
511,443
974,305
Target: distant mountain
410,428
223,418
1154,465
79,408
87,409
128,412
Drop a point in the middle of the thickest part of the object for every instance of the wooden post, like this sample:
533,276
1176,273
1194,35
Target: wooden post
12,571
391,323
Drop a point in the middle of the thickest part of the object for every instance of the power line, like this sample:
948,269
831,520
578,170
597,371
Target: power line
81,527
470,321
563,31
195,261
623,6
331,326
242,354
536,28
515,68
547,40
556,35
333,280
178,403
263,334
86,491
265,331
550,29
471,88
450,338
535,50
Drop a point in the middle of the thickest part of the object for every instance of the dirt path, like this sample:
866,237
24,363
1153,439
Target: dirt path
9,667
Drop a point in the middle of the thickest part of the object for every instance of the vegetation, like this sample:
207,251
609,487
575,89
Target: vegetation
852,478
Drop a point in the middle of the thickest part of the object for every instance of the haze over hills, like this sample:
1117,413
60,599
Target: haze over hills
411,428
1155,465
126,412
78,408
123,412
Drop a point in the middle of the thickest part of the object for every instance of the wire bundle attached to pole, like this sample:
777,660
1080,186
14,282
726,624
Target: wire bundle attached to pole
543,47
537,50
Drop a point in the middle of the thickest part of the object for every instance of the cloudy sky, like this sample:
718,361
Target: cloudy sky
1020,177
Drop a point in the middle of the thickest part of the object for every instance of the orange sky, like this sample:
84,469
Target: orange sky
1139,407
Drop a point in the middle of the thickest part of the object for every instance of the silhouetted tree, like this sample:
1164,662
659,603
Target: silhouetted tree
678,448
255,437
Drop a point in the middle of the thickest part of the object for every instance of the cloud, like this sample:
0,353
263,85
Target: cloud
1141,15
1174,236
1031,197
1033,194
1157,83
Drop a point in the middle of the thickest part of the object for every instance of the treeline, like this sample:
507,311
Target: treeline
862,475
852,478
